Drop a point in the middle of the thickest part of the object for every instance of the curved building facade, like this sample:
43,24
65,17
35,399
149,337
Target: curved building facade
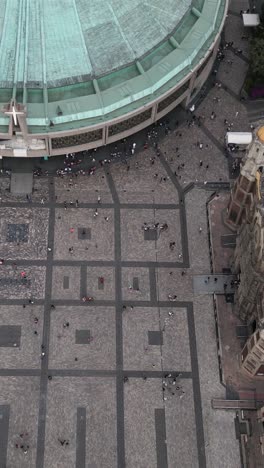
76,75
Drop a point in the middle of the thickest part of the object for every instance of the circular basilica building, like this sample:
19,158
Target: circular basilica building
78,74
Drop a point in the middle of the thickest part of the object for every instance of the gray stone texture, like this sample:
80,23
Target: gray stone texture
83,189
128,292
226,109
101,352
106,272
98,396
198,241
139,184
139,354
155,338
170,281
101,245
189,154
58,282
37,221
232,75
215,422
235,30
14,286
21,184
10,336
22,394
134,247
82,336
26,355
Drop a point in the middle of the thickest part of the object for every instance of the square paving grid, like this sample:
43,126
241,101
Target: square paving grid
95,359
126,379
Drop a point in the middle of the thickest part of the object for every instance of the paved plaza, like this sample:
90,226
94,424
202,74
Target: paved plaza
125,380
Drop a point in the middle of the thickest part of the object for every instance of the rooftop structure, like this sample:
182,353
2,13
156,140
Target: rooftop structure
82,70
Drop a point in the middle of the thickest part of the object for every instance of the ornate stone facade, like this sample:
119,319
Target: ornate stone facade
249,265
244,192
246,215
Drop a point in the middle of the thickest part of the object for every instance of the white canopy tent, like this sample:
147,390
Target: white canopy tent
250,19
238,138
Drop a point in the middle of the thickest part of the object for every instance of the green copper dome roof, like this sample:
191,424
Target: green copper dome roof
98,59
80,39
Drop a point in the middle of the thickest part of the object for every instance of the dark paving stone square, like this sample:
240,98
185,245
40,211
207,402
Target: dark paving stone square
82,336
4,426
10,335
242,331
151,235
84,233
15,282
135,284
230,298
66,282
17,233
155,338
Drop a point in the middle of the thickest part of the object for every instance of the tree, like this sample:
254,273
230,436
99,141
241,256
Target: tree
262,13
257,57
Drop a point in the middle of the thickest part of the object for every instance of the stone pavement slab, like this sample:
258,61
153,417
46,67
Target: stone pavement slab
15,286
235,30
226,109
186,159
101,244
40,191
134,245
142,181
98,397
25,353
66,282
82,188
21,184
135,284
100,282
98,354
180,426
216,451
176,338
232,75
141,398
198,241
238,5
23,233
174,281
143,448
22,395
174,353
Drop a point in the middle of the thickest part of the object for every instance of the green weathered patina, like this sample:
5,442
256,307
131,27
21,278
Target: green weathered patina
78,63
